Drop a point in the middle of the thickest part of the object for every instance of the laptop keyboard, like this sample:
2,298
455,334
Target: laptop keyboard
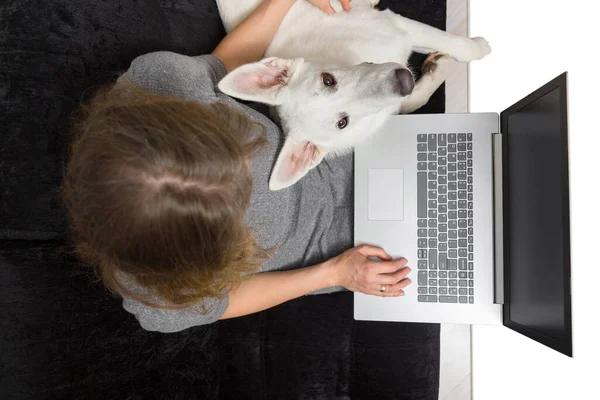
445,218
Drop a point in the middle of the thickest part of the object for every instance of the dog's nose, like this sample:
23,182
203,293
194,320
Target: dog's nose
405,80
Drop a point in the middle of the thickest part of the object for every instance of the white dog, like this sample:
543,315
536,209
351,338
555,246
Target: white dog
335,78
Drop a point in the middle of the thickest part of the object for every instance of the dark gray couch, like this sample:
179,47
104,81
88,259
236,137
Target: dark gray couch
62,336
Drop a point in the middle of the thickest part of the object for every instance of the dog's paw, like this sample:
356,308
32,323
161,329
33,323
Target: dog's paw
436,66
483,47
373,3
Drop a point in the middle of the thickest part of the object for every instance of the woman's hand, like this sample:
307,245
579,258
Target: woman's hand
325,5
354,271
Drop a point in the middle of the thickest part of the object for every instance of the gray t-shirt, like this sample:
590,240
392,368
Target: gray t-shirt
310,222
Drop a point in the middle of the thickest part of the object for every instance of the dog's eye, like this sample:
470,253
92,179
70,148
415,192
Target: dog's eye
342,123
328,79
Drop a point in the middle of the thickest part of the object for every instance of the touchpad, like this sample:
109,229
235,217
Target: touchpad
386,194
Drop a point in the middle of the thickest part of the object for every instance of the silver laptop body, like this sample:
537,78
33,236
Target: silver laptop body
390,211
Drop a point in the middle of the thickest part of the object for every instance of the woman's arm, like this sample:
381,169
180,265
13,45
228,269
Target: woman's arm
249,41
352,270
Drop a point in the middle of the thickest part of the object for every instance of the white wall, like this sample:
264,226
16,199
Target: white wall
533,41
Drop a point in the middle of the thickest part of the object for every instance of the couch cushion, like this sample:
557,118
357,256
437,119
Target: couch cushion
52,55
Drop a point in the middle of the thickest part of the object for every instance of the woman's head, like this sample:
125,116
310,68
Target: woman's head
158,188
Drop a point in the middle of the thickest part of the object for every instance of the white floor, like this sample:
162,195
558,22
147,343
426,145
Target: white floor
455,346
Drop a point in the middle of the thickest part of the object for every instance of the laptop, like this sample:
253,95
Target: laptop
479,205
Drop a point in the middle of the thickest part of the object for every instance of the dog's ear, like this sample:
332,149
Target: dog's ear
294,161
261,81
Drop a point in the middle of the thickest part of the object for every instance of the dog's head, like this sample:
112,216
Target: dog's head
322,109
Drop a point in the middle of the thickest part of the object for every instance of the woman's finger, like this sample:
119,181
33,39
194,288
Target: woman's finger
373,251
390,279
346,5
387,293
388,267
396,289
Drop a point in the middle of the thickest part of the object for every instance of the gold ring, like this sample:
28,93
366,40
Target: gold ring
382,288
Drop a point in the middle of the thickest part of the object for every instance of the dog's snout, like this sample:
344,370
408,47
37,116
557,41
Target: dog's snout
406,82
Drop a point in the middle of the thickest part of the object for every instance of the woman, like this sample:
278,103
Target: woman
167,190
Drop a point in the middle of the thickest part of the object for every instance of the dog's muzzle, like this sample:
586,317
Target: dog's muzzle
406,82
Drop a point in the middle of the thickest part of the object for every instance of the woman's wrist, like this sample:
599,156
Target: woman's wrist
330,273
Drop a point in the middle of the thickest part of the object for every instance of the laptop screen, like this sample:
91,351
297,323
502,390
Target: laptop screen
536,213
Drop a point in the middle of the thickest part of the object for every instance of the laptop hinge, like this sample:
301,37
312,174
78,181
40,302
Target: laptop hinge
498,221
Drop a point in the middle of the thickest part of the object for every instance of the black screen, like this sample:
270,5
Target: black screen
538,217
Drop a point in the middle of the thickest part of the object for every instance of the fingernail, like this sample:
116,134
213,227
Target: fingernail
402,294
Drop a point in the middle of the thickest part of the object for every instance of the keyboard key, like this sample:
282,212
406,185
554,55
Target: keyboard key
421,195
433,282
432,165
453,291
452,158
443,189
471,300
433,204
451,185
452,205
422,264
427,298
443,290
442,170
452,195
442,246
421,223
433,233
451,167
470,291
462,275
470,248
470,257
452,264
452,233
469,146
443,274
432,223
432,194
443,282
433,274
431,142
469,137
462,243
453,224
462,156
452,282
462,223
432,213
462,176
470,282
422,147
470,165
462,264
442,140
451,148
421,233
431,156
422,243
462,233
432,185
433,259
448,299
462,166
470,266
462,214
452,138
443,228
453,275
442,180
443,218
433,290
443,261
462,204
422,138
421,156
422,253
442,161
470,275
462,291
462,299
422,290
422,278
469,154
462,137
421,166
433,244
452,254
443,237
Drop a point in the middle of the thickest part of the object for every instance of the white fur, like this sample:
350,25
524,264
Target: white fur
310,43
